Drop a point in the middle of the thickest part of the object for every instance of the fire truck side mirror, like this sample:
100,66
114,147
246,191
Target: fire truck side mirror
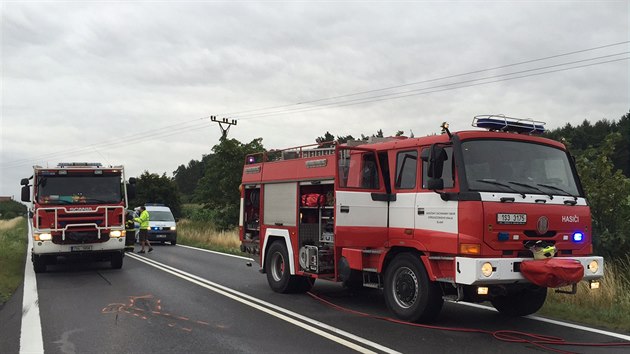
436,159
24,182
26,193
435,183
131,191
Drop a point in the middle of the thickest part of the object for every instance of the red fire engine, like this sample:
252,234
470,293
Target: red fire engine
493,215
77,209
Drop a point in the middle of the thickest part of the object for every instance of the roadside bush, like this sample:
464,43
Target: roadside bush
11,209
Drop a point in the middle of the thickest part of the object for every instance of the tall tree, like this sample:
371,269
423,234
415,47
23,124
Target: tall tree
608,194
153,188
218,189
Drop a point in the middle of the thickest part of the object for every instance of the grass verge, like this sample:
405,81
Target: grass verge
204,235
608,306
13,243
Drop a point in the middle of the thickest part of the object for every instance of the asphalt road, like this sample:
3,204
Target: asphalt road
183,300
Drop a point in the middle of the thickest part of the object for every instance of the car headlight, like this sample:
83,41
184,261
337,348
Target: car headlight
486,269
43,237
593,266
173,228
115,233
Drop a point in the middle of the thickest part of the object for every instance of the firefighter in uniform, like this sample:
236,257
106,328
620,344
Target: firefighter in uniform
130,232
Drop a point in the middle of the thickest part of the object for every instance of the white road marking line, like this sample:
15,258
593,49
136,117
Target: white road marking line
215,252
559,323
271,309
31,332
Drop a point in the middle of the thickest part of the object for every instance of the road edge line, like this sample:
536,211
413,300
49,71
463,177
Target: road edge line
556,322
31,328
215,252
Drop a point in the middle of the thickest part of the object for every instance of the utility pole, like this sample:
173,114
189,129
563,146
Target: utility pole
228,125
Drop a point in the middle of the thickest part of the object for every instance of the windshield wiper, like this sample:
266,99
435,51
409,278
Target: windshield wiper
94,200
558,189
59,201
532,187
502,185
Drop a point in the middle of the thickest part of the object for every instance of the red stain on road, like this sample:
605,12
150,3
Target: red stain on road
146,307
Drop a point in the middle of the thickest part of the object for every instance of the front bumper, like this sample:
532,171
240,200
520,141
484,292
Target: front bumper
162,235
506,270
50,248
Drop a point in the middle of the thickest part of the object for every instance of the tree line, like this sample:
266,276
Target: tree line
601,151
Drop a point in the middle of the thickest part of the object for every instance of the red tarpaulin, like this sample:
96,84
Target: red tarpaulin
552,272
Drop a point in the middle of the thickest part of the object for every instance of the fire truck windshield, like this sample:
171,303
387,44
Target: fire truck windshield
517,166
78,189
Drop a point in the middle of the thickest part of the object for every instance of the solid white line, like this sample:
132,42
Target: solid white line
559,323
215,252
270,308
31,332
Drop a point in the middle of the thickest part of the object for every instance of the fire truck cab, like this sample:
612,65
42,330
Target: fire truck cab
452,216
77,208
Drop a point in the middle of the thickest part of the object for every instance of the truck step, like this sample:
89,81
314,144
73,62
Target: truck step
371,270
372,285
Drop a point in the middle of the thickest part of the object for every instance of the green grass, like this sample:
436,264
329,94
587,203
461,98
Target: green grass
203,235
13,243
607,307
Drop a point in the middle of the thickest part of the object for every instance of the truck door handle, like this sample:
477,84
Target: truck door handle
344,209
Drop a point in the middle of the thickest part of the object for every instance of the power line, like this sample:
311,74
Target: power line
431,80
397,94
194,124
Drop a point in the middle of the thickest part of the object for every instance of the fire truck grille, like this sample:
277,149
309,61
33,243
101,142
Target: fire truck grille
96,218
74,237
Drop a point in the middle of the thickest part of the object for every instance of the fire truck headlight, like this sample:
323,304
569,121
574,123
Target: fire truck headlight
486,269
173,228
593,266
115,233
43,237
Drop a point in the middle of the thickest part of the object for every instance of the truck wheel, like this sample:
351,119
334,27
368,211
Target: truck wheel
277,266
39,264
408,291
117,260
521,303
173,243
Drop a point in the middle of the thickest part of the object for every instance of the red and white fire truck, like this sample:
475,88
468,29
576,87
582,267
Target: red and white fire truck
77,209
462,216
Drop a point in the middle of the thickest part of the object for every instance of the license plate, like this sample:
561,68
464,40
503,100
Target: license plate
160,236
504,218
80,248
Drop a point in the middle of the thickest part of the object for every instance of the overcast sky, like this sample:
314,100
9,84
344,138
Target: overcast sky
134,83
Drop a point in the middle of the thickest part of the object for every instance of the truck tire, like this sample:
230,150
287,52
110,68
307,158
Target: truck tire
173,243
409,293
278,273
117,260
521,303
39,264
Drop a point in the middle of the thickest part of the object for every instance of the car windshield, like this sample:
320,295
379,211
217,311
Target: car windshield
79,189
158,215
509,166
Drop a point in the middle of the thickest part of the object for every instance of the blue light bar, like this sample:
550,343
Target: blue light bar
508,124
578,237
